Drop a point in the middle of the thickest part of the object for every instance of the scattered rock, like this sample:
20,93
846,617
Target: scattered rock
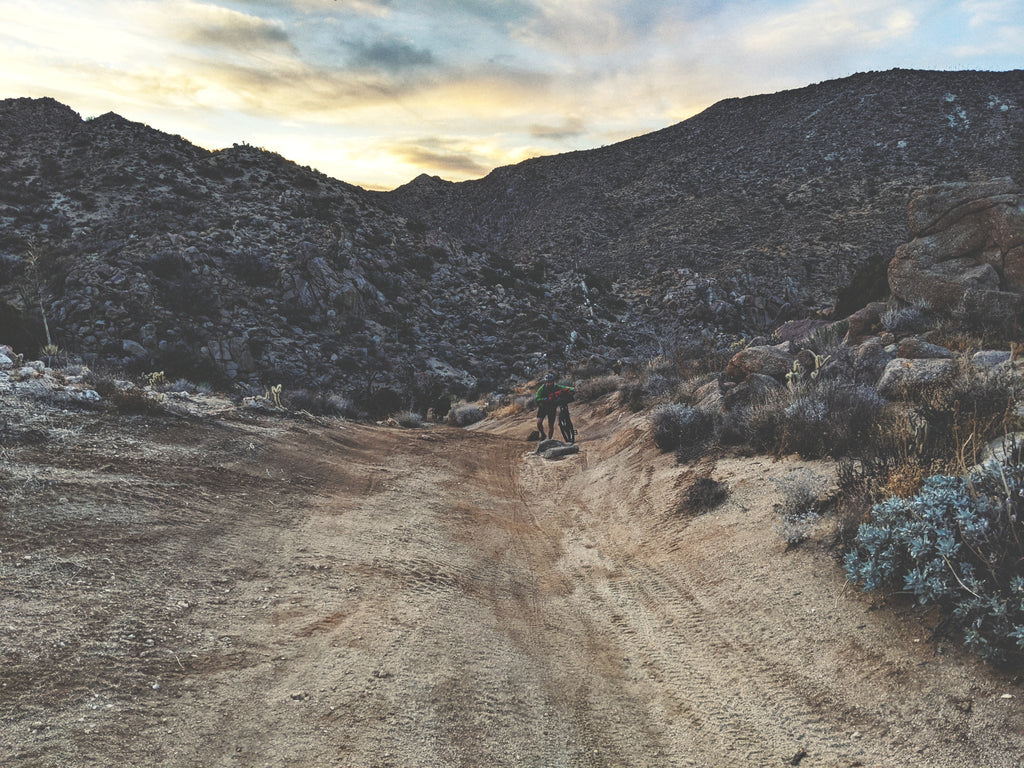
560,451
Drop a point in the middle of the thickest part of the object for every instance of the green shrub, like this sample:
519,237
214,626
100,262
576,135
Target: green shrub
958,545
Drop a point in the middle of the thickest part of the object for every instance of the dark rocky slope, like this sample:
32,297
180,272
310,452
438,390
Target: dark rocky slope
239,266
788,200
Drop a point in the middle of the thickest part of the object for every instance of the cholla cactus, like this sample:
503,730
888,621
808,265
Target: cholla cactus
819,362
794,375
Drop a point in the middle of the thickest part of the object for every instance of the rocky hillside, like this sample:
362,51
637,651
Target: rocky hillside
790,201
241,268
238,266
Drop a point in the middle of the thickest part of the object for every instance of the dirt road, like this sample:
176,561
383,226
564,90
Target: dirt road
262,592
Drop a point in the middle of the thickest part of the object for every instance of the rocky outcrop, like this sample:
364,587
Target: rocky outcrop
967,248
964,235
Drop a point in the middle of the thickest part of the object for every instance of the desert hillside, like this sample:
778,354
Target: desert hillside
241,269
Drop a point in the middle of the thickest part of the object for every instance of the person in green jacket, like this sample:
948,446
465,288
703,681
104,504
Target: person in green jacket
549,397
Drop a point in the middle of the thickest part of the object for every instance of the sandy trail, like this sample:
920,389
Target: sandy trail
267,593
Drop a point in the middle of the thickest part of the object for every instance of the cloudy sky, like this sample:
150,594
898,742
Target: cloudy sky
375,92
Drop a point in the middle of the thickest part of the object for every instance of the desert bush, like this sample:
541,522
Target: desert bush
321,403
958,545
680,427
646,389
828,338
968,412
178,385
830,419
705,494
589,390
464,415
906,320
134,401
765,421
409,419
800,514
732,427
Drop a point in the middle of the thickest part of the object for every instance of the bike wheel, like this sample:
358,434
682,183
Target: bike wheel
565,425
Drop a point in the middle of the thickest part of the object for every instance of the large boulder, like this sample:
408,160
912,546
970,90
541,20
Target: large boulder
903,375
968,239
774,361
865,323
916,348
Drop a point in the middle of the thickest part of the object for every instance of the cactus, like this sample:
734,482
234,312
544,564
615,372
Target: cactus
794,375
819,362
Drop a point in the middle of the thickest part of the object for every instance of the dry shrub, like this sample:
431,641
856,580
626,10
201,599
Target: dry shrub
589,390
513,408
409,419
971,410
678,427
466,414
831,419
134,401
905,479
705,494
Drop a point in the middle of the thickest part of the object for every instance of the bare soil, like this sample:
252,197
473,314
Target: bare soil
249,590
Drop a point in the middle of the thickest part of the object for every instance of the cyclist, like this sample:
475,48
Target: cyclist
549,398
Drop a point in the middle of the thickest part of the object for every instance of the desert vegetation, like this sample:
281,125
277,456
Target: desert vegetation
930,472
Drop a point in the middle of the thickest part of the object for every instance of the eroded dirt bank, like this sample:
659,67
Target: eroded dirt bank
261,592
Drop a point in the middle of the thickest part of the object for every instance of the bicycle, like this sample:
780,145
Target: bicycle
565,424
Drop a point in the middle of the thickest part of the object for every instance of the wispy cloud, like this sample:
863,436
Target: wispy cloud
570,127
390,55
442,156
829,24
214,26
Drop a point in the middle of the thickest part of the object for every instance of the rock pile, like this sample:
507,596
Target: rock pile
968,250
